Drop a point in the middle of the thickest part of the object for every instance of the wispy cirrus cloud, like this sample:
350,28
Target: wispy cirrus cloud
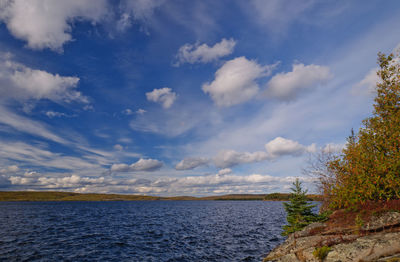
367,85
29,126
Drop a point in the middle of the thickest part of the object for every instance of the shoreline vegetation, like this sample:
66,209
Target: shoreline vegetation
70,196
360,188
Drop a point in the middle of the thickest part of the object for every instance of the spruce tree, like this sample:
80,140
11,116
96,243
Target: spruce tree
299,210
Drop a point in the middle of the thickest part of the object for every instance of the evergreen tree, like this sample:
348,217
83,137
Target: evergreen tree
299,210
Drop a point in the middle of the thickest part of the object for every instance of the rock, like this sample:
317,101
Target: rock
311,229
377,240
385,220
367,248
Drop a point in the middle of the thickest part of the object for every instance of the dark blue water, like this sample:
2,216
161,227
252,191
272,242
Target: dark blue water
139,231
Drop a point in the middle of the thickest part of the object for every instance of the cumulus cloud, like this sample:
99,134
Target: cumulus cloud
71,181
275,148
224,171
47,23
287,86
191,163
140,165
281,146
21,82
9,169
367,85
222,183
203,53
230,158
164,96
235,82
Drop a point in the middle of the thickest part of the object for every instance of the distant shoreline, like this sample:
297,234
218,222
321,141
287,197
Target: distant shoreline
70,196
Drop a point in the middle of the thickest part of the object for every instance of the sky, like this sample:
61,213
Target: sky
183,97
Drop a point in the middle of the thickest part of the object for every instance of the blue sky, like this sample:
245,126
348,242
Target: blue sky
182,97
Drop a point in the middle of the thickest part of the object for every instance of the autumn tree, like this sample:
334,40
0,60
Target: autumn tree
318,167
369,168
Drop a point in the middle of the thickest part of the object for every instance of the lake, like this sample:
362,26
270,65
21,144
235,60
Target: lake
140,230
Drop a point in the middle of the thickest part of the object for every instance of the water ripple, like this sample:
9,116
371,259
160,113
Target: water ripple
139,231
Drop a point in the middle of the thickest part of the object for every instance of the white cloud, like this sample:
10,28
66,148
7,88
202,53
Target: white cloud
118,147
224,171
127,112
9,169
192,185
47,23
139,10
191,163
235,81
21,82
140,111
367,85
71,181
277,15
28,126
140,165
287,86
275,148
230,158
179,119
164,96
281,146
52,114
39,156
31,174
203,53
333,148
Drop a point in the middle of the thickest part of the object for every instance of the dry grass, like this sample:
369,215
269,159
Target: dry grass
351,219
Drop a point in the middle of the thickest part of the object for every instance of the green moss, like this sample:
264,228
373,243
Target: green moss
321,252
394,259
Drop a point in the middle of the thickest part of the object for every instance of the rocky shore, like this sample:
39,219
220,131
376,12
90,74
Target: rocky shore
376,238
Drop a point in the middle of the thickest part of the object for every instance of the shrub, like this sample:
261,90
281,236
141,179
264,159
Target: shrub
321,252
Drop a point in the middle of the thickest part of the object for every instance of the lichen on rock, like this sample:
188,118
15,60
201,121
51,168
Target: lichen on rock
377,240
